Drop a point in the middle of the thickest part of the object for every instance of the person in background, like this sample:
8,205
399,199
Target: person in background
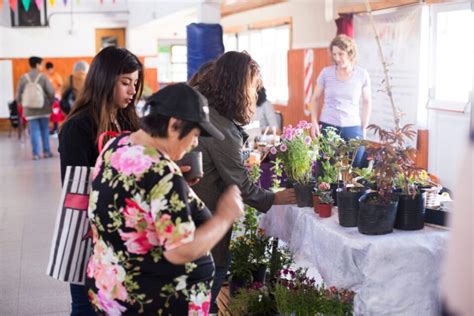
265,113
107,103
150,230
36,89
74,85
345,85
231,90
55,79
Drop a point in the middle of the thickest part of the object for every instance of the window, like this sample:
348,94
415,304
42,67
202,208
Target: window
269,47
172,62
453,51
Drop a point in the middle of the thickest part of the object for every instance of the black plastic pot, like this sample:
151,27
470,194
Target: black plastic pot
348,207
411,212
304,194
260,274
376,218
237,283
334,187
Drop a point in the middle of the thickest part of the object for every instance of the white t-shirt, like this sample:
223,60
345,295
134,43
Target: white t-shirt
342,97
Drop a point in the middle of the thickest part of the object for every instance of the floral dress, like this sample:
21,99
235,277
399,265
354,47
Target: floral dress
139,207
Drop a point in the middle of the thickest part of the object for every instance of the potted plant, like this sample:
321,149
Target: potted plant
330,143
256,300
349,193
297,294
378,210
325,201
411,203
297,152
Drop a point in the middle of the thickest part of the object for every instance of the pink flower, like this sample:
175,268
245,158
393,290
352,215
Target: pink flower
109,306
273,151
97,167
124,141
131,160
283,148
136,242
324,186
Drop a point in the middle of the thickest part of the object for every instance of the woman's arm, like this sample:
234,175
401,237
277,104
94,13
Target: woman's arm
229,208
315,109
366,109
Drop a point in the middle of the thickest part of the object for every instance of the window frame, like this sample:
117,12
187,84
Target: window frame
433,102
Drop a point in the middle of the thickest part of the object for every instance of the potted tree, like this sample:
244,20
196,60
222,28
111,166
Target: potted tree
297,152
378,210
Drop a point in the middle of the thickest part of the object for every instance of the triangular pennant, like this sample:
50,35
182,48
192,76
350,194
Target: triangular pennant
65,2
39,3
51,2
1,3
13,4
26,4
101,1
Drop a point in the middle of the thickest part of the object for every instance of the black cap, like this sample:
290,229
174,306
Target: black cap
183,102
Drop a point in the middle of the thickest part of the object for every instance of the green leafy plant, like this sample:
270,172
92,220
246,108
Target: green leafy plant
297,294
297,152
324,192
330,143
256,300
277,173
391,158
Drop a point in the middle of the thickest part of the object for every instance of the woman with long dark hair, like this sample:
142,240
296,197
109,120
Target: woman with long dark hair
107,103
231,90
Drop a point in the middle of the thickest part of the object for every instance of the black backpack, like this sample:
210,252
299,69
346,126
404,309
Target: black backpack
68,98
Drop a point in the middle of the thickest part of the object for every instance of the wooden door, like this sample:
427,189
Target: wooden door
109,37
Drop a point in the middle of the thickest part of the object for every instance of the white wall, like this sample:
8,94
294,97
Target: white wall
74,35
310,28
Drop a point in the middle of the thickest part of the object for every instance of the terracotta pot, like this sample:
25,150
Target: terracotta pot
324,210
315,203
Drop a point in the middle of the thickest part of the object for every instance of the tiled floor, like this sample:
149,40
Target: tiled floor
29,193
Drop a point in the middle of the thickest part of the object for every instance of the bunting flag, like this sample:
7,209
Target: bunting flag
51,2
13,4
26,4
38,4
1,3
65,2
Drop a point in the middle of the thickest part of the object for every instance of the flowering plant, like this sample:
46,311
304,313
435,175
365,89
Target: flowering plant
323,191
297,152
255,300
297,293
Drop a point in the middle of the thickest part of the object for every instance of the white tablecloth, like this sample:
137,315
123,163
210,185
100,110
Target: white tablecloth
393,274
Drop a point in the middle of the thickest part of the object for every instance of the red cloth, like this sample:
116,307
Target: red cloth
56,115
20,114
345,25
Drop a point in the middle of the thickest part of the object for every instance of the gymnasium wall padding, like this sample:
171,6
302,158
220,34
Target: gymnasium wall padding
204,43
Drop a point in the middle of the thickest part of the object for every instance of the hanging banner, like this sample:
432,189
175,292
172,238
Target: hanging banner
399,32
13,4
65,2
51,3
26,4
1,3
38,4
308,80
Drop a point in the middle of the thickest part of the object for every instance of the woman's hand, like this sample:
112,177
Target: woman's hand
314,130
230,206
185,169
286,196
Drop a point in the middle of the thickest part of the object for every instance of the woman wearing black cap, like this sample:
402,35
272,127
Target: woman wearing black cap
151,233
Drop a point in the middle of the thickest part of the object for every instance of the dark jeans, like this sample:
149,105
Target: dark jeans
219,277
351,132
80,305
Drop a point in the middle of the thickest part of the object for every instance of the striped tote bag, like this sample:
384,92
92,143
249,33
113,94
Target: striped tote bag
71,246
